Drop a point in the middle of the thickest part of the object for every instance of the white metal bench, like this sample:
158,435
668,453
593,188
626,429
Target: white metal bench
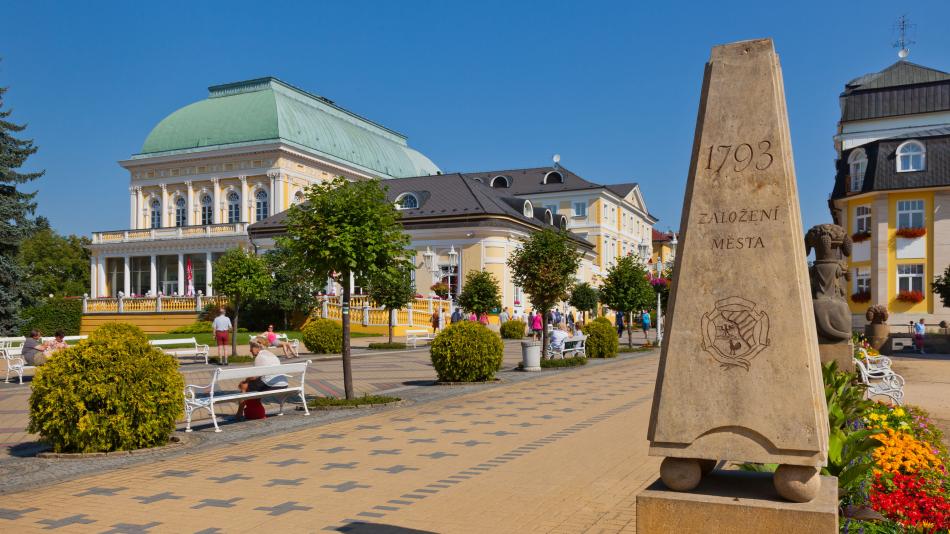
413,337
882,382
574,346
204,397
874,363
196,350
294,344
15,362
7,342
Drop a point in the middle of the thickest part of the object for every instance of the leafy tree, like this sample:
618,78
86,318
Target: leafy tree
584,297
243,277
480,294
16,208
626,289
391,287
346,227
294,283
54,264
941,287
544,268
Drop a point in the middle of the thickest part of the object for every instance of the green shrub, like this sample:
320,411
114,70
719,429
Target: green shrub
382,346
197,327
323,336
110,392
466,352
563,362
513,329
601,338
52,315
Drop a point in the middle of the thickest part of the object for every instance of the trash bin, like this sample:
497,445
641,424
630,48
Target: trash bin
531,355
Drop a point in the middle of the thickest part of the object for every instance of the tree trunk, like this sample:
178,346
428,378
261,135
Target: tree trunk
630,329
347,367
544,336
390,325
234,327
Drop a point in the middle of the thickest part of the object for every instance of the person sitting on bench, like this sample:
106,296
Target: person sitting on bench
558,336
262,357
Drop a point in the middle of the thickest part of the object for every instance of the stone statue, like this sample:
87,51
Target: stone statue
829,280
877,331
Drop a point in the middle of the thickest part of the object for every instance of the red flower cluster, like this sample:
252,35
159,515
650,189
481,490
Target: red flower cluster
858,237
911,232
910,296
863,296
912,500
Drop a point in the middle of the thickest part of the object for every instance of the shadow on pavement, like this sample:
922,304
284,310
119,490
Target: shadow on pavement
27,449
379,528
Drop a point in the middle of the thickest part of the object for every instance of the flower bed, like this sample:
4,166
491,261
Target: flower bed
858,237
911,233
861,297
910,296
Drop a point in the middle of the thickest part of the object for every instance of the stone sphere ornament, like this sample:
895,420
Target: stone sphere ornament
797,483
680,474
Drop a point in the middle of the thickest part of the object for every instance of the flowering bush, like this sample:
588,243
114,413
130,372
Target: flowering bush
861,297
912,500
858,237
901,452
910,296
441,289
911,233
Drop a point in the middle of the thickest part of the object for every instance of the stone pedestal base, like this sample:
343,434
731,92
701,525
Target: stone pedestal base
735,501
843,353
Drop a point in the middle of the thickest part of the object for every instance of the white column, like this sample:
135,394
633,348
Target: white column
245,202
216,201
165,213
132,208
101,276
139,209
190,208
272,192
93,278
127,277
181,274
209,266
153,267
352,282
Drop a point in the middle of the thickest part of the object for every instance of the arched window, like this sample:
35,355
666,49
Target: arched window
298,197
548,217
156,214
911,156
553,177
260,204
234,207
181,211
499,182
207,209
857,165
407,201
528,209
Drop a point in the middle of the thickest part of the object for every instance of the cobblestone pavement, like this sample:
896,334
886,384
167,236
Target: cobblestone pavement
563,452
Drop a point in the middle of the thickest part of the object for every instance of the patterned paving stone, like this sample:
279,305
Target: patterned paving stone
78,519
396,469
382,452
158,497
284,508
108,492
13,514
131,528
345,486
217,503
285,482
348,465
229,478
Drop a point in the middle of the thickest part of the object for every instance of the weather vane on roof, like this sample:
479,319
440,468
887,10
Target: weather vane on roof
903,42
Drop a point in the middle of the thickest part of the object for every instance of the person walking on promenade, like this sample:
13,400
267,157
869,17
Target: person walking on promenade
618,321
221,327
919,330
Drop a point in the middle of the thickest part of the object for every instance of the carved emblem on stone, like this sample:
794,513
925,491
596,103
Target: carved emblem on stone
735,332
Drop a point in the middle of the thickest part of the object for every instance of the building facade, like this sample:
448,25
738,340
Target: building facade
210,169
892,189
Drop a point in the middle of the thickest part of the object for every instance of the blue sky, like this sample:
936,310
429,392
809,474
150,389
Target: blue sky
611,86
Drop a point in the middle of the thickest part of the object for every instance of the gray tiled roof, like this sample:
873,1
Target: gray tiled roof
903,88
881,172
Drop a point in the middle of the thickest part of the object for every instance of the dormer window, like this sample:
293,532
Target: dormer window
407,201
553,177
500,182
911,156
528,209
562,222
548,217
857,163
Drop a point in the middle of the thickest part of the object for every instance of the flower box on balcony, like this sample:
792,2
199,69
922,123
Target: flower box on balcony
859,237
910,296
861,297
911,233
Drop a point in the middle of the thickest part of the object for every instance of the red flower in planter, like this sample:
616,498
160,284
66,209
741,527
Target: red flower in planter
858,237
861,297
910,296
911,233
911,500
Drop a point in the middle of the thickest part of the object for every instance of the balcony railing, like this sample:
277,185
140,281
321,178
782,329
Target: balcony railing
177,232
149,304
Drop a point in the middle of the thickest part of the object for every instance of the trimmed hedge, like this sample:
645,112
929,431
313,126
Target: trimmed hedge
323,336
110,392
54,314
601,338
466,351
383,346
197,327
513,329
563,362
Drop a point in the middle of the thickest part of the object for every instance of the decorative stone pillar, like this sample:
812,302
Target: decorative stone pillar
216,204
880,277
140,209
181,274
132,208
93,277
245,201
209,266
153,274
101,289
190,208
272,193
127,277
166,211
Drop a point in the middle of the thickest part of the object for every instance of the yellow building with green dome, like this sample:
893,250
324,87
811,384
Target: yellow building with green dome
211,168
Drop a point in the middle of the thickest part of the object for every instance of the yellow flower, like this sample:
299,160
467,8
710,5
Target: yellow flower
899,412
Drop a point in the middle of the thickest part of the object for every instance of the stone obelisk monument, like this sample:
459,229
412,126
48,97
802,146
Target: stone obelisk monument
739,376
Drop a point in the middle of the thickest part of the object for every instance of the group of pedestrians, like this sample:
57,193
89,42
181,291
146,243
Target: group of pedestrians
643,318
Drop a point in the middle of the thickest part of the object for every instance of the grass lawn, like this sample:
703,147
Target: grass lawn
243,337
324,402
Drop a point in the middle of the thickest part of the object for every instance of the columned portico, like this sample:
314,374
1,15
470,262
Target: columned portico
153,274
181,274
216,206
127,278
208,268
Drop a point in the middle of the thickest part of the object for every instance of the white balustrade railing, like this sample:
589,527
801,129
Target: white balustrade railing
177,232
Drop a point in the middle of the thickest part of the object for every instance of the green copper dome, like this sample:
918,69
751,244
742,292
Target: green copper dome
269,110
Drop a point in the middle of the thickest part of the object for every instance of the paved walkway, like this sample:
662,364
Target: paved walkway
565,452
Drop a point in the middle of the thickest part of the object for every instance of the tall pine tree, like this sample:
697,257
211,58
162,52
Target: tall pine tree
16,209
